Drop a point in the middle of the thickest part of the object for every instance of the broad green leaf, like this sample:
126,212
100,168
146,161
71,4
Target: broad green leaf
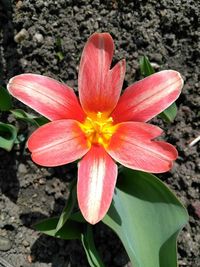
8,135
32,119
146,69
88,243
148,218
70,230
78,217
169,114
5,100
68,208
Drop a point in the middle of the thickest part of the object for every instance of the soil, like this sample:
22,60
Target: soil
34,35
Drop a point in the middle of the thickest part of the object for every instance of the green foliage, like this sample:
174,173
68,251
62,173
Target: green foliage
169,114
91,252
147,217
8,132
68,208
32,119
5,100
8,135
70,230
59,49
146,69
144,213
78,217
70,226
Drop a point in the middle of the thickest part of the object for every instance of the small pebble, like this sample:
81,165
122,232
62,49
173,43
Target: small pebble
19,4
42,181
155,65
196,207
25,243
43,199
22,168
20,36
30,258
158,58
38,37
12,219
5,244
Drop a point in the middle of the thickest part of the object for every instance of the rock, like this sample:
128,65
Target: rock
158,58
42,181
21,36
22,168
38,37
155,65
196,207
24,62
5,244
19,4
25,243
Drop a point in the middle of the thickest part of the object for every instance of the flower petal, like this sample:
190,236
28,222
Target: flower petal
132,146
99,87
47,96
145,99
57,143
97,176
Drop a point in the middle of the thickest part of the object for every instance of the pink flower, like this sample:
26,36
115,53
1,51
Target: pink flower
103,127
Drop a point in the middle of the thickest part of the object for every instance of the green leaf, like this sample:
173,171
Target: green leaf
8,135
5,100
169,114
69,207
59,49
21,114
148,218
41,120
60,56
70,230
78,217
91,252
32,119
145,67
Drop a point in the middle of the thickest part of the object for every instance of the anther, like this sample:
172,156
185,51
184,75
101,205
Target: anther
99,115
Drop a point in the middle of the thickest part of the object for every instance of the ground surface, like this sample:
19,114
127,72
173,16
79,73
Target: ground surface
30,35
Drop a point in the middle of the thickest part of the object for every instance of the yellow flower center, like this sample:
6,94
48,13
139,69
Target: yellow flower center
98,129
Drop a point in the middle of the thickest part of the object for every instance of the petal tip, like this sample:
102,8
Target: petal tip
93,221
179,77
104,35
10,82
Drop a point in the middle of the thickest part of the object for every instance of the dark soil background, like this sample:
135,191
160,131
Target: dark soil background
33,36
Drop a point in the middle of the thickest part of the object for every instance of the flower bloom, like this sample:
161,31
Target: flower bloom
103,127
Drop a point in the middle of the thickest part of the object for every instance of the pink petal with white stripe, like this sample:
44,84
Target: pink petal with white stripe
47,96
57,143
99,87
132,146
147,98
97,174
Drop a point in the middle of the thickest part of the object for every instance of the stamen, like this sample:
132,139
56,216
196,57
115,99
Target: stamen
98,129
99,115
